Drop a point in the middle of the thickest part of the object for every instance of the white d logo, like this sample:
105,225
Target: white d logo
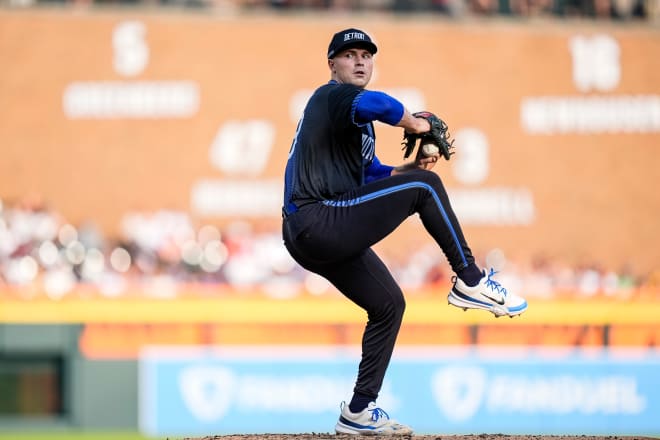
207,391
458,391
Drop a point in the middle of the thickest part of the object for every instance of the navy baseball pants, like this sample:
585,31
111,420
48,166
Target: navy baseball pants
334,239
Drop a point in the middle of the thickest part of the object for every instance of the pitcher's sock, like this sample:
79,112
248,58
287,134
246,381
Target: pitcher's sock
359,402
470,275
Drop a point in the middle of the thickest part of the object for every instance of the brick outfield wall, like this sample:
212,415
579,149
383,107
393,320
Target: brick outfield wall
556,126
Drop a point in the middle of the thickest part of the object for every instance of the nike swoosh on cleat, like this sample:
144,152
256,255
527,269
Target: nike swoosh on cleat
498,301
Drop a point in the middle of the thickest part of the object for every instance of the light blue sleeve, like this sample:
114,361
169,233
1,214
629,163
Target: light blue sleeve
376,106
377,170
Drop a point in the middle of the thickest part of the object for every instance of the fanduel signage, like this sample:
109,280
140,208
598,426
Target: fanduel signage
434,389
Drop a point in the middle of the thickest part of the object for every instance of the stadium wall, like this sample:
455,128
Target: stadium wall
556,125
60,377
118,111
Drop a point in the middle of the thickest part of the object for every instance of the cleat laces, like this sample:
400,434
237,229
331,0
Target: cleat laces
378,413
494,285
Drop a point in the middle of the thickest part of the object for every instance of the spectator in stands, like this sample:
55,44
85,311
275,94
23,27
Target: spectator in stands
532,8
627,9
652,10
483,7
586,8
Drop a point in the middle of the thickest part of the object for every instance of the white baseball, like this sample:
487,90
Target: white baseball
430,149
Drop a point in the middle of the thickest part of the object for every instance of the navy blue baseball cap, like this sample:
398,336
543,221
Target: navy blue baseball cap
350,38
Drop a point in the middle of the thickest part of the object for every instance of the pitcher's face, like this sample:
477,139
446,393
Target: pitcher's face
352,66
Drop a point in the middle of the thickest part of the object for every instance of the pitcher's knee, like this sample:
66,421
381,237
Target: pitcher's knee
391,308
431,178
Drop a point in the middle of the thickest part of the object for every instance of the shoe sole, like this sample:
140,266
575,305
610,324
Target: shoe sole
496,309
340,428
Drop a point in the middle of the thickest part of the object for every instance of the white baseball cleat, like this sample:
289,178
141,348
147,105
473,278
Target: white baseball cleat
370,421
487,295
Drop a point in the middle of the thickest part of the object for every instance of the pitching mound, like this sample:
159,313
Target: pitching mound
315,436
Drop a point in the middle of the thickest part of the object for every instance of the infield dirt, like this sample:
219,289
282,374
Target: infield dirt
315,436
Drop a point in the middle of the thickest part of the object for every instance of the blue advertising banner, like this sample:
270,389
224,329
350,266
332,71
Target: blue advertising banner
205,391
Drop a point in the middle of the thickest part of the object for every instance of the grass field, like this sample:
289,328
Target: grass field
73,435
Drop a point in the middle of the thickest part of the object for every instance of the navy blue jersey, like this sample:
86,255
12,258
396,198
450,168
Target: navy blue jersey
330,151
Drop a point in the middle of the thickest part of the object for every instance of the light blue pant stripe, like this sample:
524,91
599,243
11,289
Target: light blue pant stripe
384,192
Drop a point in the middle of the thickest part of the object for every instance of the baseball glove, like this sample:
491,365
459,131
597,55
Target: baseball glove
437,135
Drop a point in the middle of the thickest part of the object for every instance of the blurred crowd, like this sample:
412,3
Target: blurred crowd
599,9
164,254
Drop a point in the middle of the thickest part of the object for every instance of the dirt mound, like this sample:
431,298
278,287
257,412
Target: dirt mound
315,436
